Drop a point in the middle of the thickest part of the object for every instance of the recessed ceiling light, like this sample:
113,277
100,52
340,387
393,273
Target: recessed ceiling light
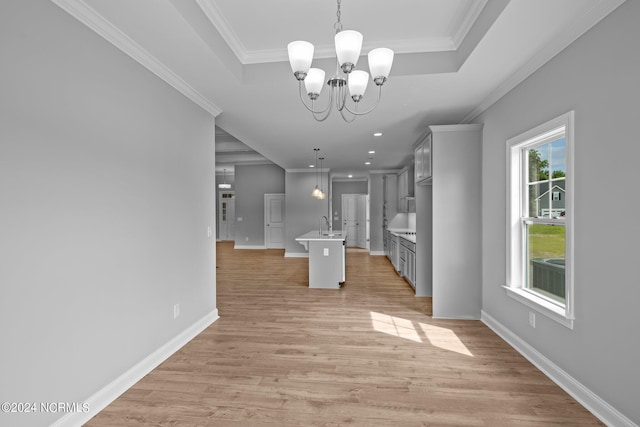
312,166
349,176
377,134
367,163
372,152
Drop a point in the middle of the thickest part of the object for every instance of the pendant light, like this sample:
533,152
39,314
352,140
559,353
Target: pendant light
224,184
322,195
316,191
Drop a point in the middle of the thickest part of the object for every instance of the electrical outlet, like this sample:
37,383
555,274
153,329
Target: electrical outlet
532,319
326,251
176,311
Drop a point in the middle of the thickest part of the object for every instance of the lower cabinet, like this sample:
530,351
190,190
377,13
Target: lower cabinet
402,254
394,252
408,271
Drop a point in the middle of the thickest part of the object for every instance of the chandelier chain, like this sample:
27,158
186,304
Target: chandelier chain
338,25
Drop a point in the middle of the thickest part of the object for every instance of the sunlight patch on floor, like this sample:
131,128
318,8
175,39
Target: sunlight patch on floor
395,326
445,339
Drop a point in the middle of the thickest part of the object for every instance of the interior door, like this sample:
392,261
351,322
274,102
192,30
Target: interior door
354,219
226,215
274,221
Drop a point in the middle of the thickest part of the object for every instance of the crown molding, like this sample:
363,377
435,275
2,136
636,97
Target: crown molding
245,56
308,170
468,21
214,14
100,25
582,24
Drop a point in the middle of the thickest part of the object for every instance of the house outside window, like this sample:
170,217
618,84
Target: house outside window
540,218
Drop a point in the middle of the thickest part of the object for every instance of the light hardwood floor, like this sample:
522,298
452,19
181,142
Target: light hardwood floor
368,354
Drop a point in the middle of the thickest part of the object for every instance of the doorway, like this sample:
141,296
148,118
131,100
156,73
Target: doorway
226,215
355,219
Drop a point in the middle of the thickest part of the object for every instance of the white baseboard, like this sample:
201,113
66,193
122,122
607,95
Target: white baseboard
594,403
377,253
296,255
249,247
113,390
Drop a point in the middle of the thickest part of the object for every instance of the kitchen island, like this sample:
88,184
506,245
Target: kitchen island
327,258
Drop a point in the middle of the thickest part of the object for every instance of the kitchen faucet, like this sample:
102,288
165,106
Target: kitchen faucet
327,222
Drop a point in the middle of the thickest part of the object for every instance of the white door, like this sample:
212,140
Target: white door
226,215
274,216
354,219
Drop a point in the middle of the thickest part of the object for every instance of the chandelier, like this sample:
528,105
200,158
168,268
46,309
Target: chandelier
348,45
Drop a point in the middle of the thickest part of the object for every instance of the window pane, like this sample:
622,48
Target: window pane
558,159
546,260
558,196
539,200
539,163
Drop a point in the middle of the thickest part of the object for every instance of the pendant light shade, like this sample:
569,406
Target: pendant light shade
348,47
380,61
314,82
300,57
358,81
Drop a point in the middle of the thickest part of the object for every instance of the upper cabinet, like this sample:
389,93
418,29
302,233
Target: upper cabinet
423,161
405,188
390,197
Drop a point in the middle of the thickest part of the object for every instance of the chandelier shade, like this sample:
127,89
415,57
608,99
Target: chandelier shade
348,45
380,61
300,57
314,82
358,81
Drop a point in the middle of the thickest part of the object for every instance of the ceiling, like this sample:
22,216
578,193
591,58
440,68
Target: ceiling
454,58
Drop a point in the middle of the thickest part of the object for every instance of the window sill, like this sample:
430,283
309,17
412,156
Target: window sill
541,305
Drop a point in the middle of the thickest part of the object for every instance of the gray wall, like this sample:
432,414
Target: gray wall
251,184
597,76
303,211
106,192
375,213
339,188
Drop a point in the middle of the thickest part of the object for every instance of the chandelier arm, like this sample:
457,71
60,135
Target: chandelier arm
328,110
345,118
305,104
356,113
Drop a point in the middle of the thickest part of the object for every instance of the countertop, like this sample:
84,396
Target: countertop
401,232
315,235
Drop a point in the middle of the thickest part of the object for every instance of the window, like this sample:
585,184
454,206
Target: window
540,218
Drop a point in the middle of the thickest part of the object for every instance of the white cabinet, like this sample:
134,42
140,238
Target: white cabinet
389,198
394,251
405,188
448,223
422,161
408,261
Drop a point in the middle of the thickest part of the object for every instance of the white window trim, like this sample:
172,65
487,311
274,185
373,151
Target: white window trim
515,281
